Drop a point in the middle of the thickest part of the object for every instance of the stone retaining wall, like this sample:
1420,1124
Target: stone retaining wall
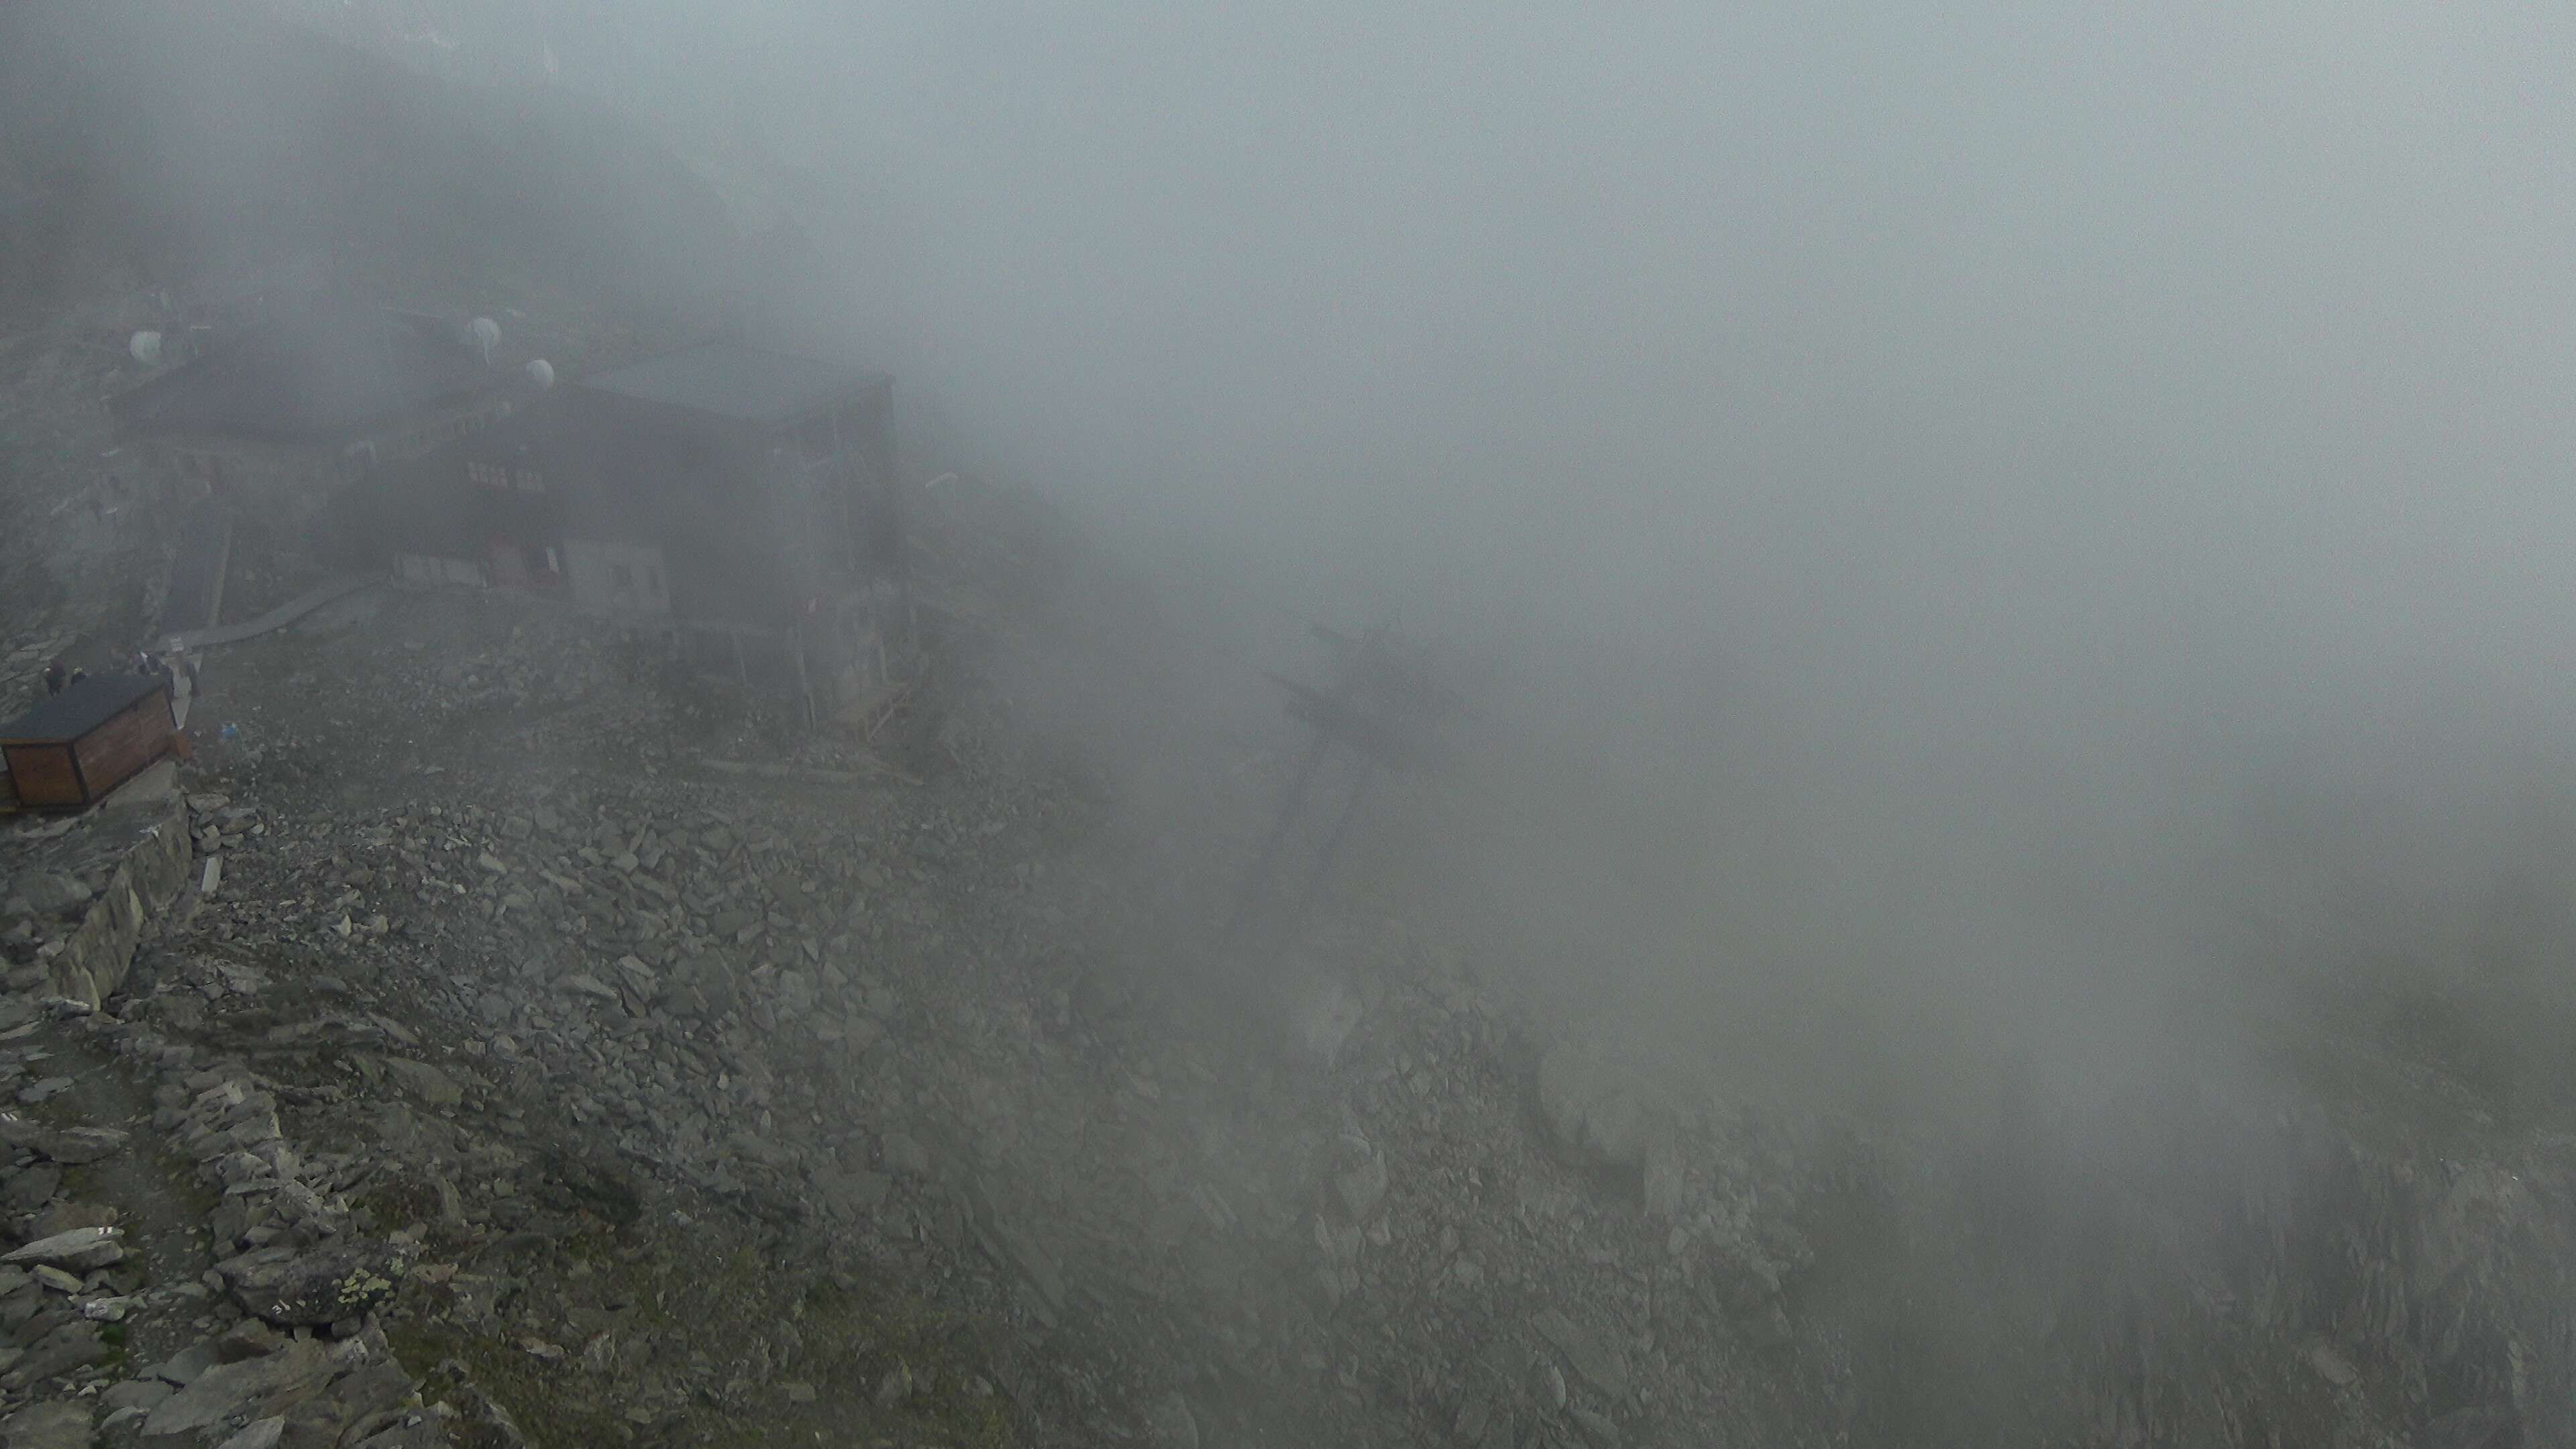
93,962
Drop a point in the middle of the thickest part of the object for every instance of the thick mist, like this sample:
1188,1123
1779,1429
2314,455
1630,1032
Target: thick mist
2009,574
1907,479
1937,461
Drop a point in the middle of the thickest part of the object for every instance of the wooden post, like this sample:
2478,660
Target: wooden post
1333,842
223,567
1248,902
1380,705
849,514
877,628
796,642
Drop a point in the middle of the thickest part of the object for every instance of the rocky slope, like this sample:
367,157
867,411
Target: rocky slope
561,1050
900,1087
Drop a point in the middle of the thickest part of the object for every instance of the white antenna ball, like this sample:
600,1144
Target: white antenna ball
541,372
146,348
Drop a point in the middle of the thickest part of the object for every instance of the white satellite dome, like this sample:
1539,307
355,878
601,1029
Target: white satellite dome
541,372
486,334
146,347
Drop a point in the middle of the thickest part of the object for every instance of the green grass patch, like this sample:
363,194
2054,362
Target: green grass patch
848,1334
525,1386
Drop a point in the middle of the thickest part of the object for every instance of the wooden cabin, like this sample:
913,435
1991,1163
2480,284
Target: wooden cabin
73,749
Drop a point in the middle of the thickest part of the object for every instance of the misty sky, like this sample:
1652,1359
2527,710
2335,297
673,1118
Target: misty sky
2023,406
2158,330
1948,354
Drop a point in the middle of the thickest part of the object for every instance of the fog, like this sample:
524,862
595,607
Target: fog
1938,460
2024,373
1964,527
1970,446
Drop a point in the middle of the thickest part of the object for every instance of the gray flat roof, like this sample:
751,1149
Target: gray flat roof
734,381
319,372
81,708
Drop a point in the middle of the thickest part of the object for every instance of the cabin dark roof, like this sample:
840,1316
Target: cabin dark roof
80,708
311,376
730,380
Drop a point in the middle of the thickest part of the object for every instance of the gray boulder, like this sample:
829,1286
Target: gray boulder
319,1288
54,1425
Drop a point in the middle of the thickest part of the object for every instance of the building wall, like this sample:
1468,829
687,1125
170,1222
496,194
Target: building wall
699,510
698,487
421,568
422,433
238,468
617,578
119,749
295,474
43,775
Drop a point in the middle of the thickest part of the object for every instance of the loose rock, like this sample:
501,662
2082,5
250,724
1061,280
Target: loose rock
81,1248
54,1425
319,1288
1591,1356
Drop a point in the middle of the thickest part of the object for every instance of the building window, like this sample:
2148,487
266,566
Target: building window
531,481
621,578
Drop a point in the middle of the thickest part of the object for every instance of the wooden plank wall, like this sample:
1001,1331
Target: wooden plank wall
119,750
44,775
